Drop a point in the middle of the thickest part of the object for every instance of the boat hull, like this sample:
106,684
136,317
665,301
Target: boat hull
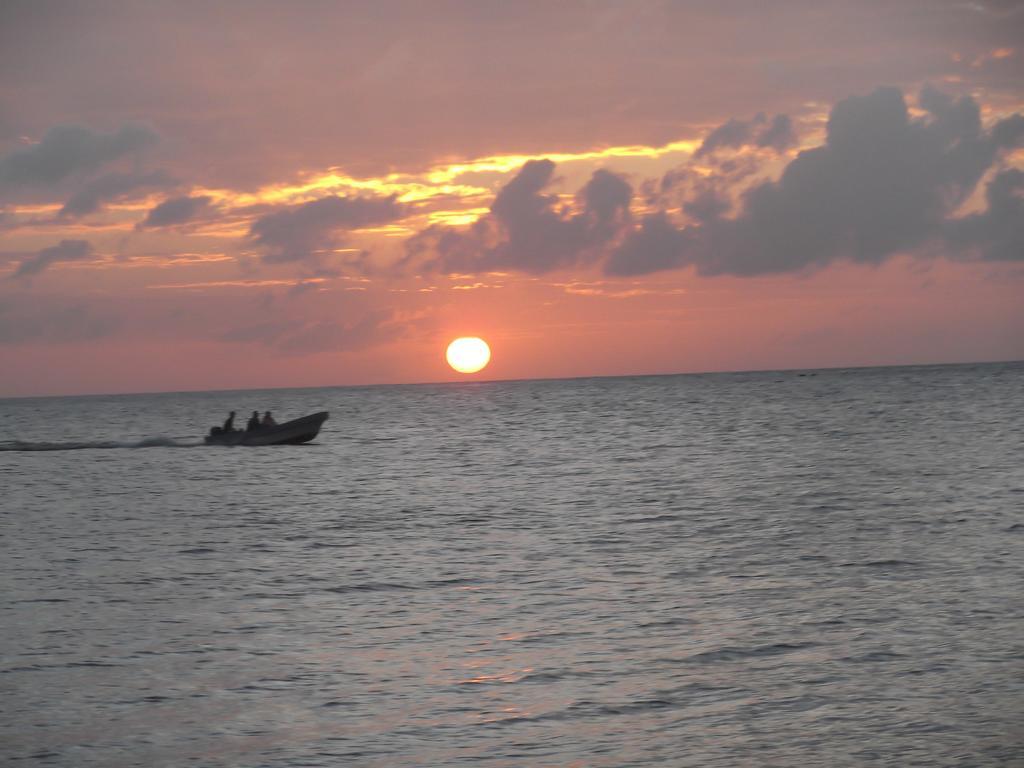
293,432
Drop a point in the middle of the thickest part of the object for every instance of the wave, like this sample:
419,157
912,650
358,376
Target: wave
82,445
739,654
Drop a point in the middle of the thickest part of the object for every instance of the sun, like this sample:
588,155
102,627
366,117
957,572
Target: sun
468,354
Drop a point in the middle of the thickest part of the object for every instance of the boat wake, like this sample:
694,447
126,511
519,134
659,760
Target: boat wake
149,442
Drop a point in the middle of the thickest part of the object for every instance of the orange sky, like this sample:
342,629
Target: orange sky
243,202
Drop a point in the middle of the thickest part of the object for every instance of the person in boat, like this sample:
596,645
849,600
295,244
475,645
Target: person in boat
254,422
229,423
268,420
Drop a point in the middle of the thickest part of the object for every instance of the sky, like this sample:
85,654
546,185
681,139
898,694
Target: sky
219,195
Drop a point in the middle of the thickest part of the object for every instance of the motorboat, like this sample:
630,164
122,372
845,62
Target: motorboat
293,432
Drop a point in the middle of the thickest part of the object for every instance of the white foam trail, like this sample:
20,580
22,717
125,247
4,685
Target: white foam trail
149,442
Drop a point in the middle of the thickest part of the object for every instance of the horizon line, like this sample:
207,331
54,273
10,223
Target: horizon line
518,380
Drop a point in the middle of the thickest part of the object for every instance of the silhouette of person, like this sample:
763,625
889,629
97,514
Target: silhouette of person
268,420
229,423
254,422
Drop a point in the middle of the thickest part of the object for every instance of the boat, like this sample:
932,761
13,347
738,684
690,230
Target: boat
293,432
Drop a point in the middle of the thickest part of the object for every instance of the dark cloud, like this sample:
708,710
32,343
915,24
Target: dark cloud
65,250
996,234
69,149
176,211
606,198
528,230
110,187
776,134
655,245
734,133
704,191
300,232
1009,133
882,183
708,204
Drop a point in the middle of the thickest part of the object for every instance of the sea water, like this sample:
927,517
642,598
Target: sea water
764,569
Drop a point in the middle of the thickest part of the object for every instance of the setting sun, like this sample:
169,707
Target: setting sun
468,354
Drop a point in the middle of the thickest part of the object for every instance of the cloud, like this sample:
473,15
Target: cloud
69,149
176,210
299,232
452,78
1007,133
708,204
883,183
997,234
65,250
110,187
654,246
606,198
779,134
528,230
52,320
299,337
776,134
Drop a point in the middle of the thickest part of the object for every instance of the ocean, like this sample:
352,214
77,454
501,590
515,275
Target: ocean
801,568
